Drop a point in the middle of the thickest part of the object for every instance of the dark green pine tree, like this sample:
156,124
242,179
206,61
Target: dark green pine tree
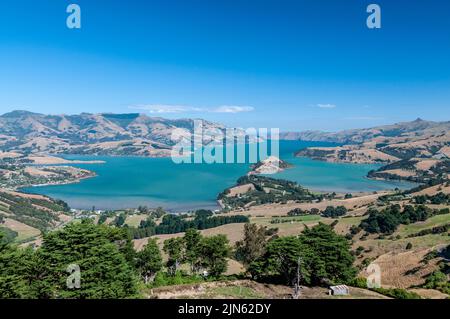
149,261
96,250
13,271
215,251
253,245
327,255
280,260
323,256
192,239
174,248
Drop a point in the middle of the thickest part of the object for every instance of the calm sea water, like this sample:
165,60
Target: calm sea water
125,182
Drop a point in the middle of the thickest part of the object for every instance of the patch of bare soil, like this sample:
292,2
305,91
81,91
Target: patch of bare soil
4,155
24,195
354,203
207,290
234,232
404,270
399,172
241,189
425,165
355,293
217,290
22,229
433,190
52,160
430,293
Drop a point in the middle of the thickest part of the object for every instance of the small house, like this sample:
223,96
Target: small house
340,290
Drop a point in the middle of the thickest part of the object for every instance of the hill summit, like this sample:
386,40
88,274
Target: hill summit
91,134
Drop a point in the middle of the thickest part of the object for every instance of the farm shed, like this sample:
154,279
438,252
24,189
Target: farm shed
340,290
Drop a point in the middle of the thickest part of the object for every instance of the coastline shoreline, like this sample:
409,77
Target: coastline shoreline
215,203
75,181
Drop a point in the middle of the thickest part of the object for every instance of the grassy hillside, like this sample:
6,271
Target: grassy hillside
30,215
416,151
99,134
257,190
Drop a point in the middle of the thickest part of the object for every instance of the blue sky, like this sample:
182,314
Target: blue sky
295,65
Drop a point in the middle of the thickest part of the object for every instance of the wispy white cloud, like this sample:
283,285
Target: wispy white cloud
326,106
233,109
167,109
161,108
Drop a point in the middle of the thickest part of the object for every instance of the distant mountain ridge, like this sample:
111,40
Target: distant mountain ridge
96,134
355,136
418,151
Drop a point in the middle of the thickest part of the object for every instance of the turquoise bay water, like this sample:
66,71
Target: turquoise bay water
125,182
